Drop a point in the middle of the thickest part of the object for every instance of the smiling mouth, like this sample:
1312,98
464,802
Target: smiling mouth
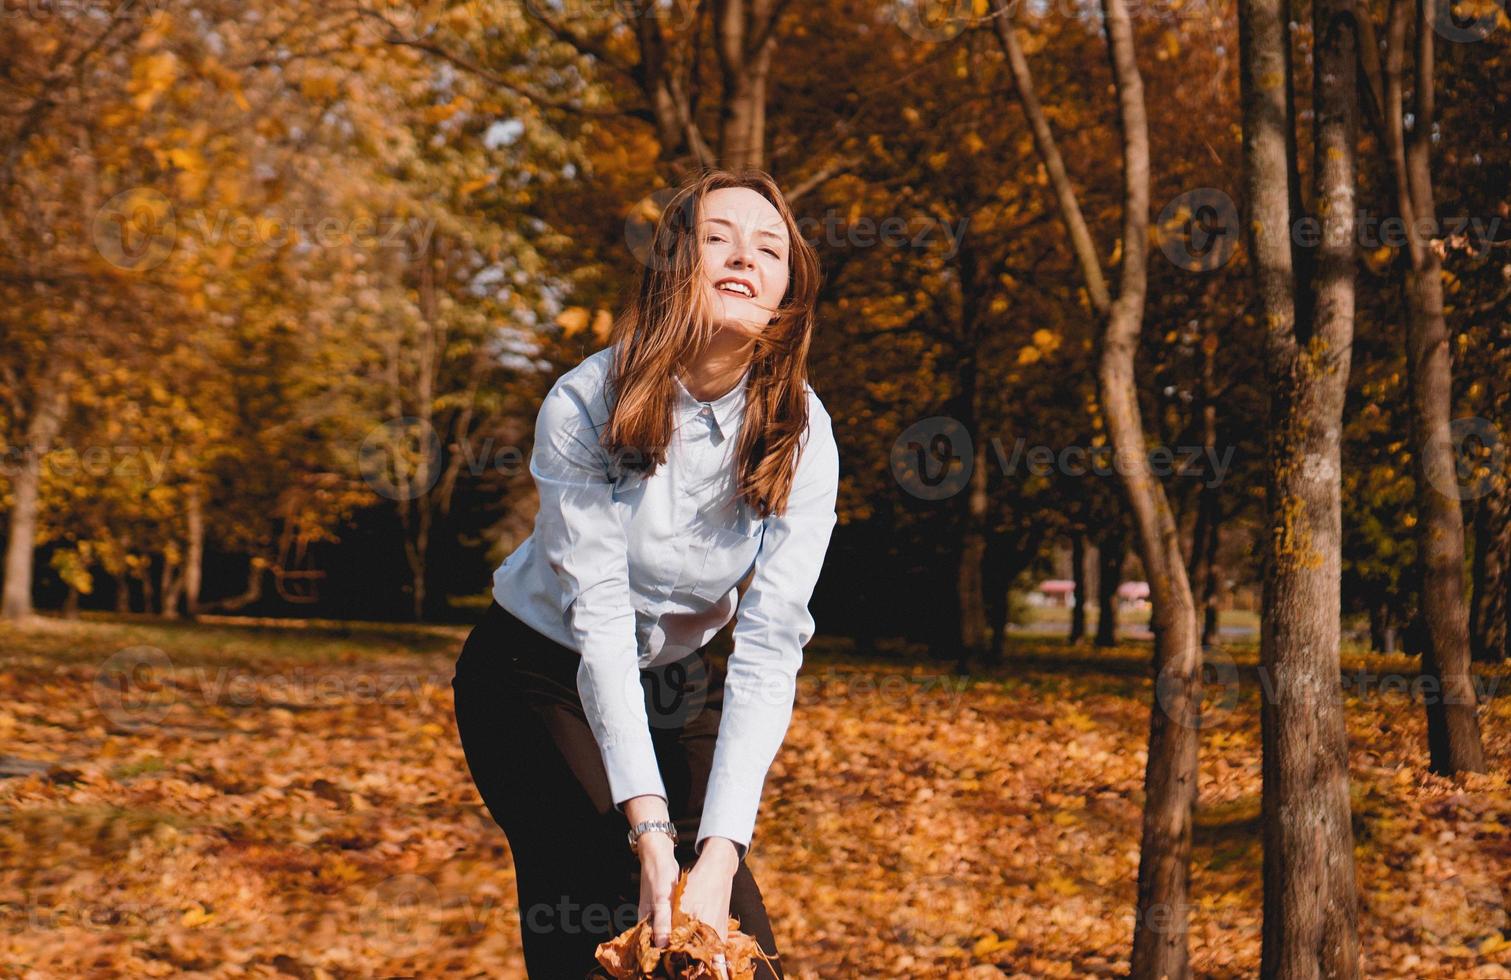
734,287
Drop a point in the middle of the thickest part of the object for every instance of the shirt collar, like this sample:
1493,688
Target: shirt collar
726,408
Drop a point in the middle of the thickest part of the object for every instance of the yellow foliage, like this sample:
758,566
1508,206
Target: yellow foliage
572,320
150,77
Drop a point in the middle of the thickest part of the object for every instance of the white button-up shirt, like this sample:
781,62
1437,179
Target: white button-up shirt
634,572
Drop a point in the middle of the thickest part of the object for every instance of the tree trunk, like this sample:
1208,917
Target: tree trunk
122,591
21,539
1160,948
257,567
149,594
1007,557
1492,572
1310,904
1382,627
1452,708
170,585
1112,551
1211,582
195,555
1078,575
969,576
1205,536
1160,945
745,66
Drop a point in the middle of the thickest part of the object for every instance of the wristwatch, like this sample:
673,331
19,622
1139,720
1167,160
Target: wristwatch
646,826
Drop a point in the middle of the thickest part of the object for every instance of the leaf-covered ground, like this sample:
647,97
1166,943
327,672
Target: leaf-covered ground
265,800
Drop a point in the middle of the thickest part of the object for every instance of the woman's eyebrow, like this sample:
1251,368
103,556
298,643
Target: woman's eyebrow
768,233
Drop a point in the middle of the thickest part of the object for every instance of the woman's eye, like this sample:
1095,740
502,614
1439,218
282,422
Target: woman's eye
771,252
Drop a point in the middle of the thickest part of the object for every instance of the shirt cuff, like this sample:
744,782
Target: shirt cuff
632,770
741,848
730,809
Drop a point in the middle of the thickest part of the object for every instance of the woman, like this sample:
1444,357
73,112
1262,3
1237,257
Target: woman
689,455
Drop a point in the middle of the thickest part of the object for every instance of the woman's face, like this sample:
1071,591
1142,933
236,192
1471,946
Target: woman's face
745,249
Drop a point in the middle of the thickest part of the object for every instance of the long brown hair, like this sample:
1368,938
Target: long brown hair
668,323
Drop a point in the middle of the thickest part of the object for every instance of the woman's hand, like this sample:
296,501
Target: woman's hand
706,894
658,875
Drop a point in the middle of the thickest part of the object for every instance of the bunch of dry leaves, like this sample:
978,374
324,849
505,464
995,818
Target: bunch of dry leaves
692,951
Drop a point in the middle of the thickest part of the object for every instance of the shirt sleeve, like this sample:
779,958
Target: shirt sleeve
773,625
582,538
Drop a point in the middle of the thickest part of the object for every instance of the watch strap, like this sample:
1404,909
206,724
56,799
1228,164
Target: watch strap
646,826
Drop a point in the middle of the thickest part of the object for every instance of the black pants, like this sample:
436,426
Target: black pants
537,766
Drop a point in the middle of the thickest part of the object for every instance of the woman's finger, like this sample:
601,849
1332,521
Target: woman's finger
661,923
